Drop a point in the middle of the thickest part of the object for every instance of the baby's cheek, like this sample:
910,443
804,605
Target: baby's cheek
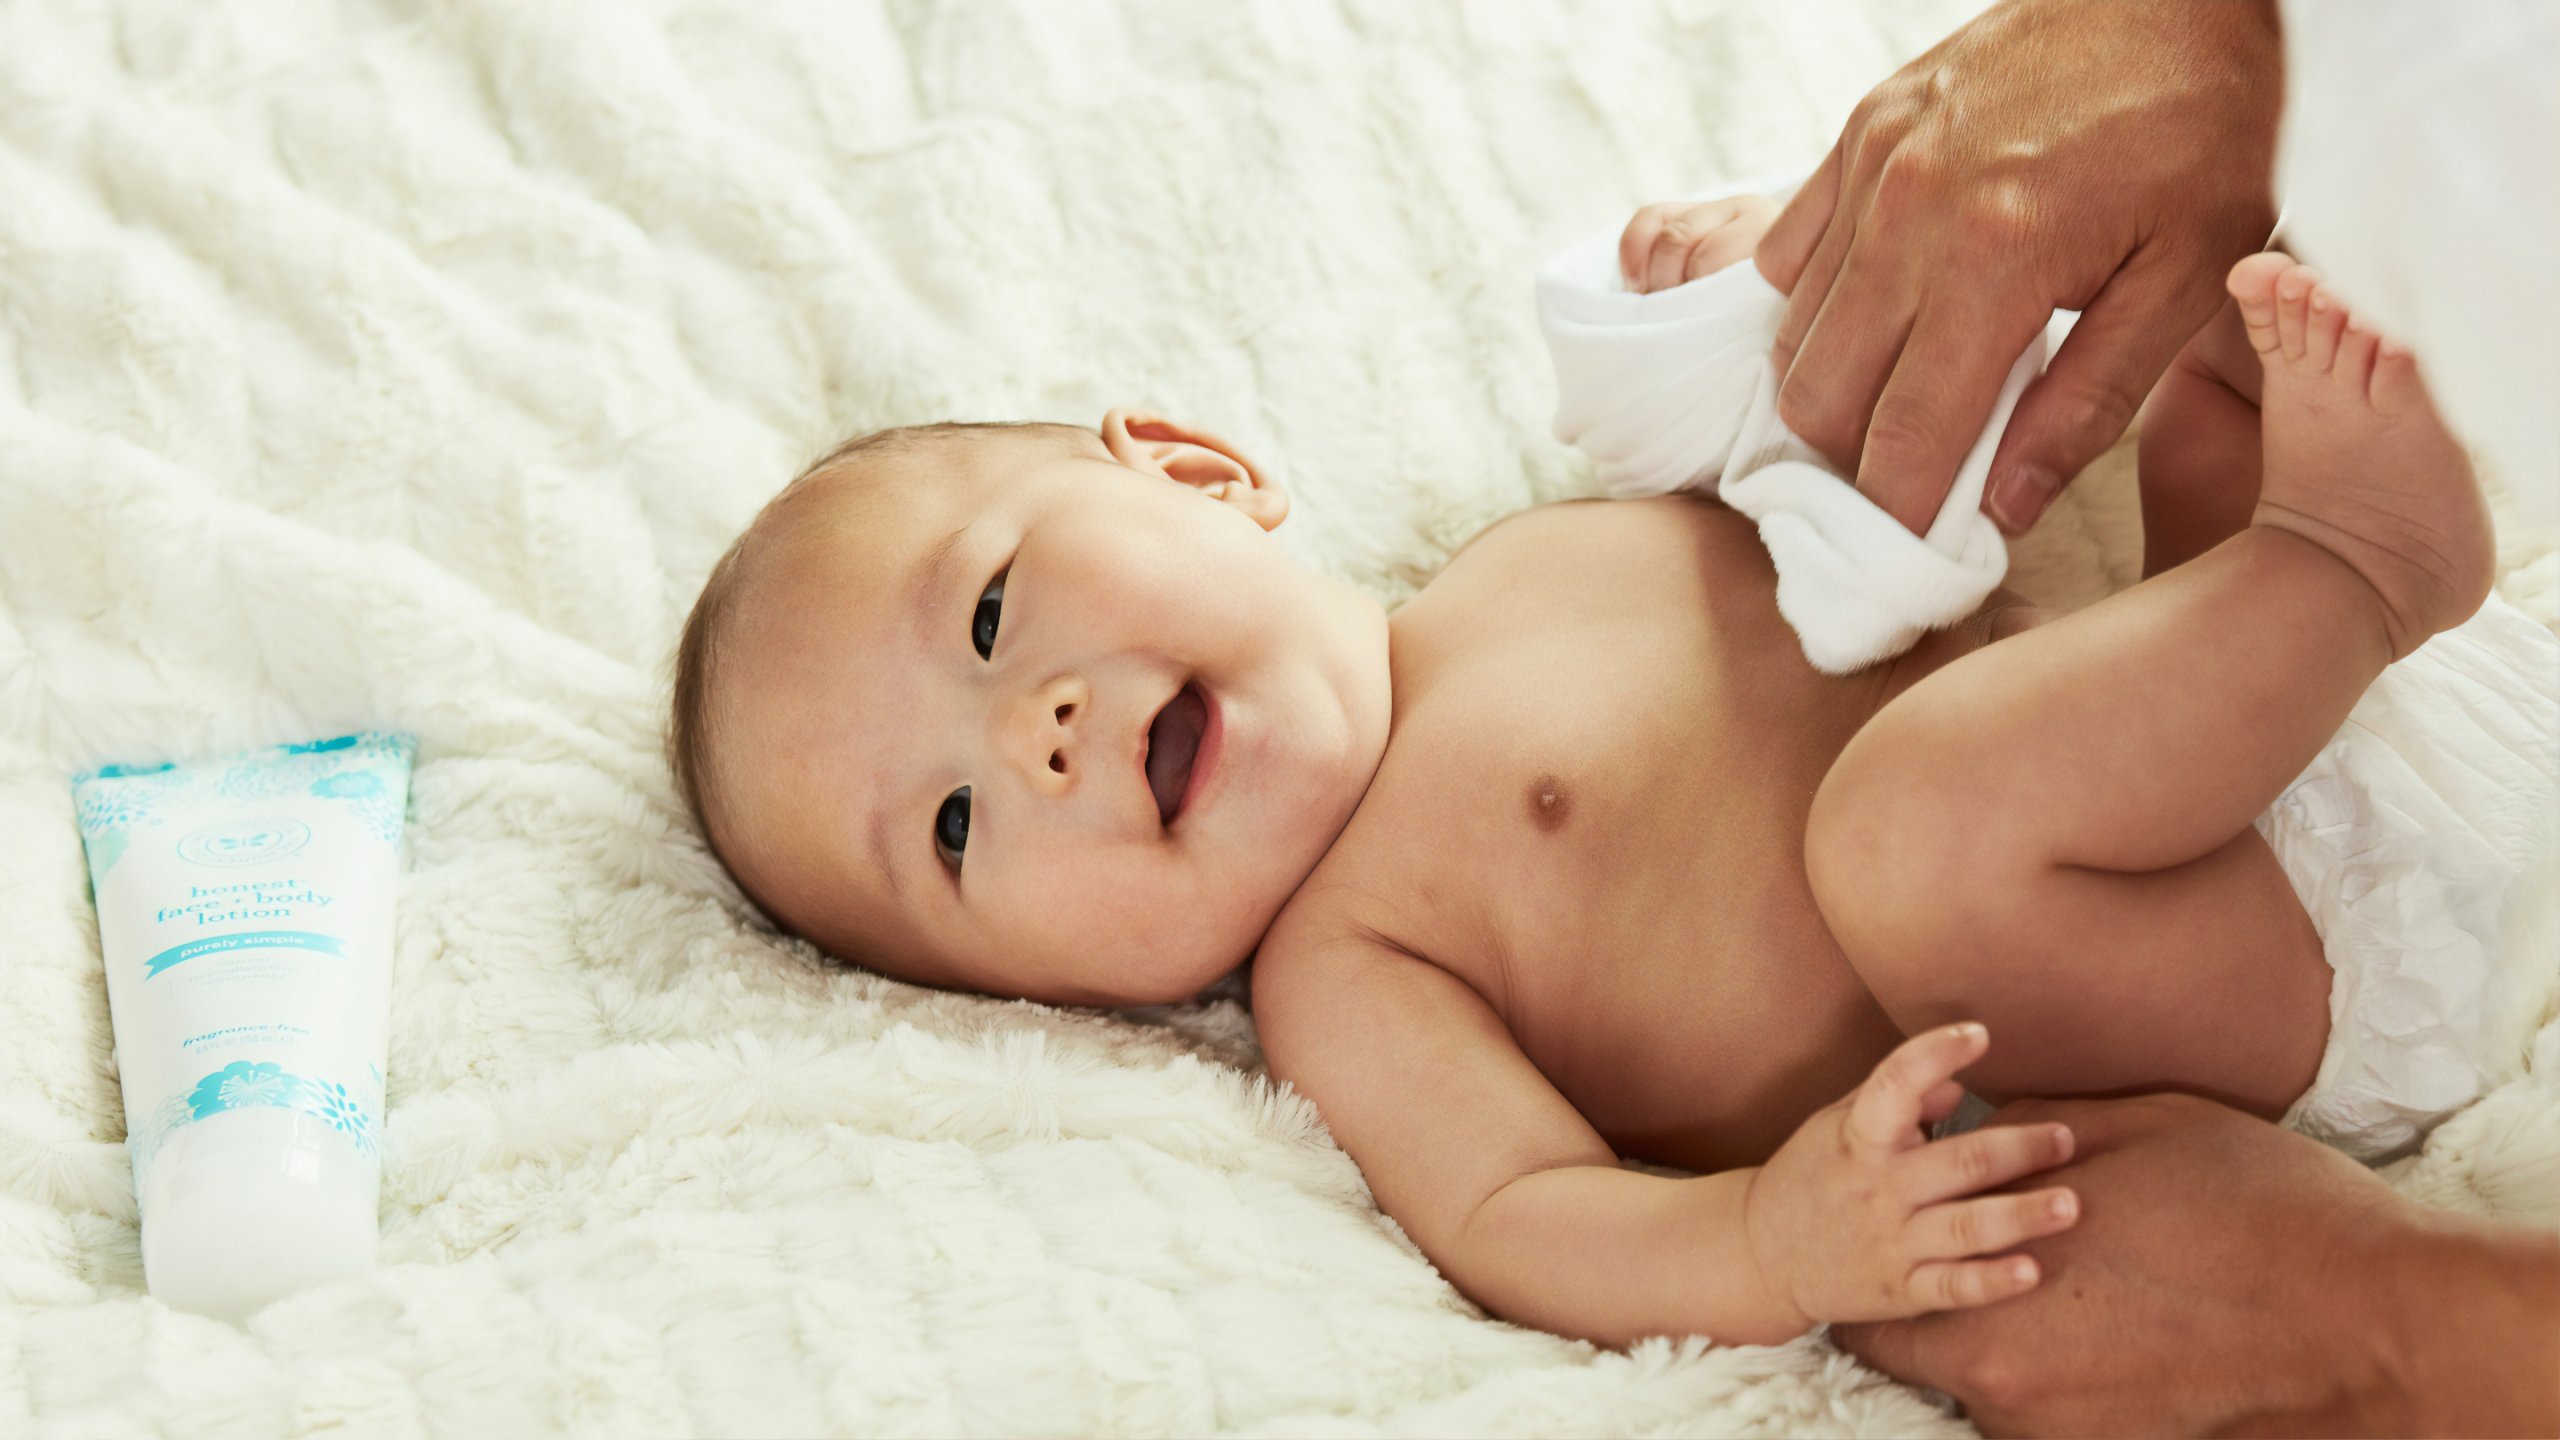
1083,894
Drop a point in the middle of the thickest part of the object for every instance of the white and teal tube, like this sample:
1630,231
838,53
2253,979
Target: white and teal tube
244,908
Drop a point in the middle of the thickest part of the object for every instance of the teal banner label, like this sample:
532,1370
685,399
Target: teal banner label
251,940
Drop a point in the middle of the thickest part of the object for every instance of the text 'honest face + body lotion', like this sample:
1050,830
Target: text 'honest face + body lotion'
244,910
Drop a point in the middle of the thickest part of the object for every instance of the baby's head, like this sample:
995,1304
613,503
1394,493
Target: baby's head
1028,709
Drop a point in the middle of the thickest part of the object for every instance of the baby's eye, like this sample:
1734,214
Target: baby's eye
951,827
982,626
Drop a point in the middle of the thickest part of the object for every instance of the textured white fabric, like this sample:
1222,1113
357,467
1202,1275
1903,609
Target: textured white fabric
380,363
1674,390
2408,839
2416,161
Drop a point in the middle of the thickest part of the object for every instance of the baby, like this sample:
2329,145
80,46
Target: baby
1575,857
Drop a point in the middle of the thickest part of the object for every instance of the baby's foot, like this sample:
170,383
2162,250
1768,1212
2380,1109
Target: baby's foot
2356,460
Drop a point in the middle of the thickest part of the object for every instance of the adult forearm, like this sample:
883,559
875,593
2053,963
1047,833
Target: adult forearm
1612,1256
2477,1323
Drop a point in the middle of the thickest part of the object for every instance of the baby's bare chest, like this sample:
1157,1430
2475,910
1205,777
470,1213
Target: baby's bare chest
1592,811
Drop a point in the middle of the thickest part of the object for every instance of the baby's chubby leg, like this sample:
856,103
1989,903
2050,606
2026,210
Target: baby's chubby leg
2201,444
2053,835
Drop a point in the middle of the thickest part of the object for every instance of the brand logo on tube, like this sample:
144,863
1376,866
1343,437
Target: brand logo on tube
244,842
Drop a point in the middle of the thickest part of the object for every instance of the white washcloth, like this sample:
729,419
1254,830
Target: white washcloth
1675,389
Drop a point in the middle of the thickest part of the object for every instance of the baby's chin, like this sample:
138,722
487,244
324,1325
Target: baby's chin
1118,982
1099,965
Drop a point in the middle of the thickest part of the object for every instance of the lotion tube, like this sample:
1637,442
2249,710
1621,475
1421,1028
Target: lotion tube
244,910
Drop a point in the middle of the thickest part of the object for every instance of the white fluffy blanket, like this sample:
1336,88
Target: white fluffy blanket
407,365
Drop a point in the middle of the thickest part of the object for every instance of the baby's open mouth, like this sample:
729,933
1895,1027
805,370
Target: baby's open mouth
1173,742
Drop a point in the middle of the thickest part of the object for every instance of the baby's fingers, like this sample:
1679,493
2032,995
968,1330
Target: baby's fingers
1717,249
1965,1164
1671,243
1989,1226
1886,1112
1635,243
1962,1284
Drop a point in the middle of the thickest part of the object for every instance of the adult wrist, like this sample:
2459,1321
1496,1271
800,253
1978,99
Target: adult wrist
2470,1341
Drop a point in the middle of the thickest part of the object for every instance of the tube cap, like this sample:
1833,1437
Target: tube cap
247,1206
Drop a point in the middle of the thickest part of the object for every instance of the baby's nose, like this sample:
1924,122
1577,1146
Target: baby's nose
1045,730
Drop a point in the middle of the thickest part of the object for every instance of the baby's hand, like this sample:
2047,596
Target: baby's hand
1859,1216
1676,242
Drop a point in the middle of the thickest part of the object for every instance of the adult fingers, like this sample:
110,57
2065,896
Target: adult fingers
1811,291
1939,396
1828,393
1857,162
1967,1164
2126,337
1993,1223
1885,1111
1788,247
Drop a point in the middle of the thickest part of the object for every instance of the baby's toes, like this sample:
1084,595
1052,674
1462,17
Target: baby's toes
2252,284
2353,368
2395,389
2293,309
2327,316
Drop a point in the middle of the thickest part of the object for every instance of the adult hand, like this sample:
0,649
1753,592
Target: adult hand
2114,157
2228,1276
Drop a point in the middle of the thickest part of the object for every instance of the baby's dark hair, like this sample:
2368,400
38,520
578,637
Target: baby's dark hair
694,720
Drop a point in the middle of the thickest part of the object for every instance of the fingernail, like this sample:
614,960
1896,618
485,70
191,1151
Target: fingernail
2064,1205
2022,495
1970,1031
2062,1140
2025,1270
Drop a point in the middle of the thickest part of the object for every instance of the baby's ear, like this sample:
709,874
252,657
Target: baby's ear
1217,469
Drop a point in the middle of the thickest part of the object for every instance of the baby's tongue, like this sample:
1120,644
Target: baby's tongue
1171,743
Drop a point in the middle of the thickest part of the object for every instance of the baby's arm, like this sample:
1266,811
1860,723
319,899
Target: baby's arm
1522,1204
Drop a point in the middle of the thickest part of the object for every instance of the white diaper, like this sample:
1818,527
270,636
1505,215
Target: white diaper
2408,839
2414,839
